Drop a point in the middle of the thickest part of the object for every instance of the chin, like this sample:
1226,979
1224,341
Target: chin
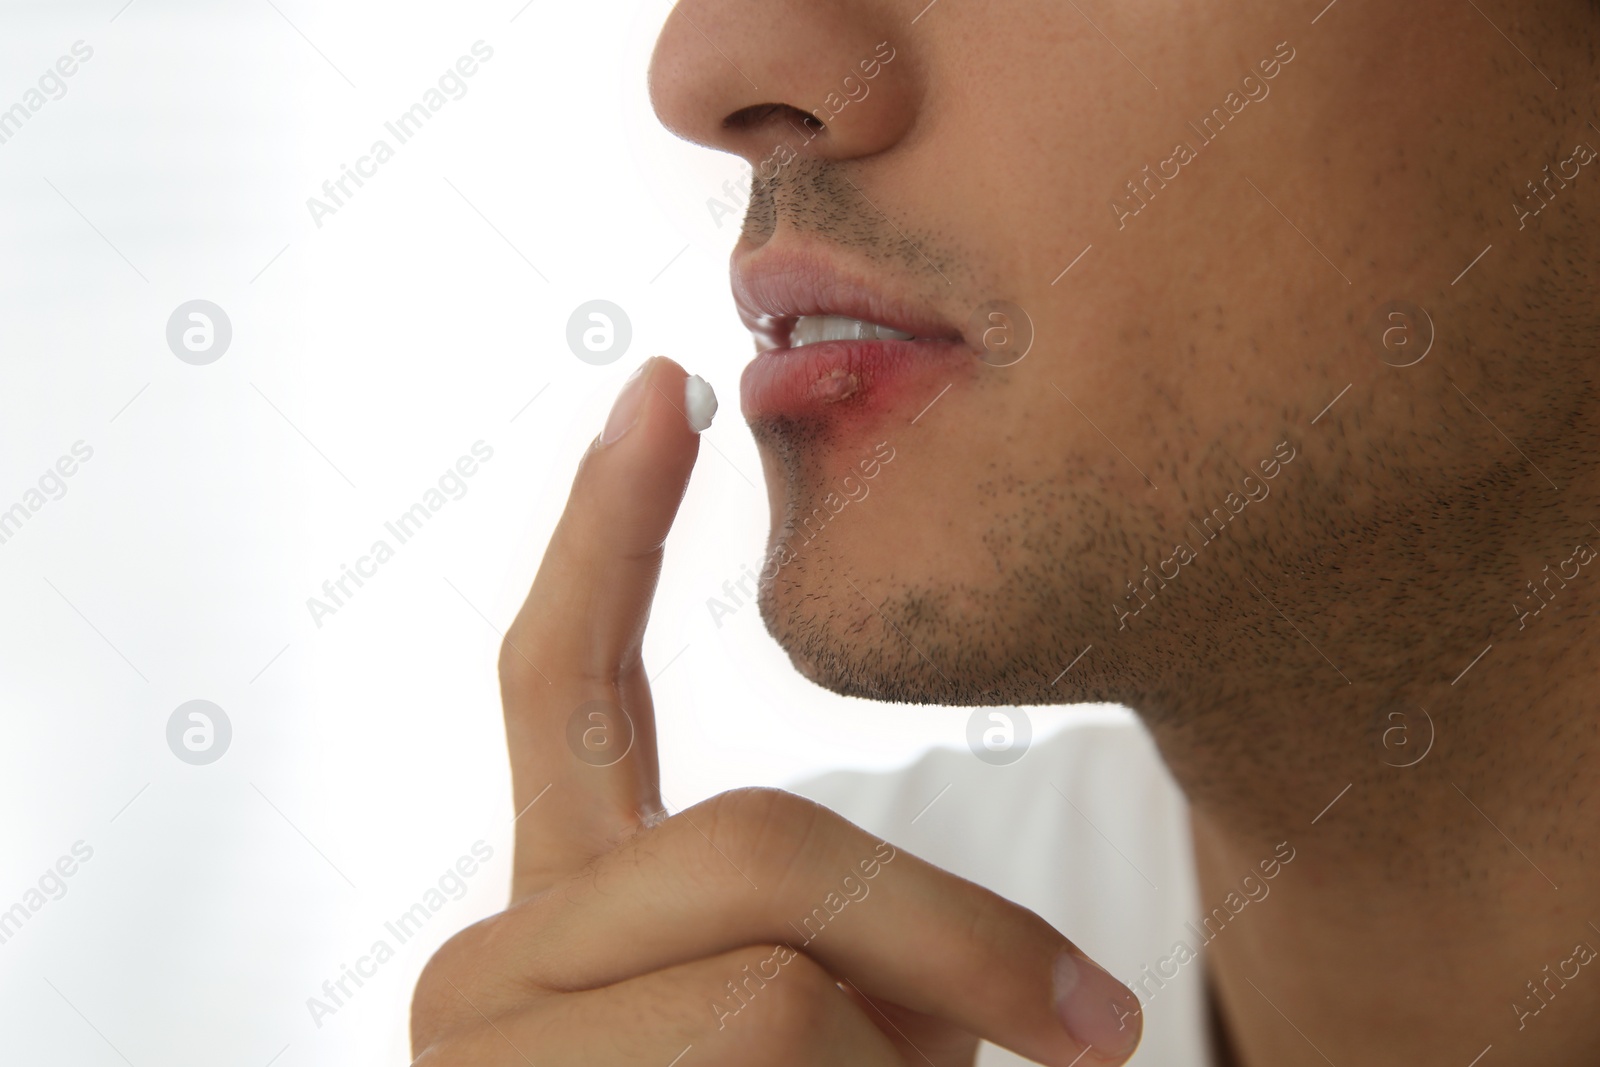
872,591
838,639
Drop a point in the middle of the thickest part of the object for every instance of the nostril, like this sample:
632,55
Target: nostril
758,115
817,78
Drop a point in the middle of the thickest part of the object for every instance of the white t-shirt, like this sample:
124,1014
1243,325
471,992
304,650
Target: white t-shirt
1087,829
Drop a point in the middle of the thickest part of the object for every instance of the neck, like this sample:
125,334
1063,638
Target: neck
1438,901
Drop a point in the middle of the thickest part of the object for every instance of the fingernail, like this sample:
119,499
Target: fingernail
1097,1010
625,411
699,402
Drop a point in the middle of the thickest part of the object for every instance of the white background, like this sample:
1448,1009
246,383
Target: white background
367,355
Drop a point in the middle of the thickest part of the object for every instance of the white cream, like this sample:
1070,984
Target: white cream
699,402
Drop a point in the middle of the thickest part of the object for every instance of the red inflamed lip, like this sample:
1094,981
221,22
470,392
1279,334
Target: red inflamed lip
833,345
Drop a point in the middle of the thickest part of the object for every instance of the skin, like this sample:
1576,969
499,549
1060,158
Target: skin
628,932
1203,336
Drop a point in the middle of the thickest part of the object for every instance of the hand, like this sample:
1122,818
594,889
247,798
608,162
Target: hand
755,928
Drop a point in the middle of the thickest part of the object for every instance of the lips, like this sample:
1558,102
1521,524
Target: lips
839,380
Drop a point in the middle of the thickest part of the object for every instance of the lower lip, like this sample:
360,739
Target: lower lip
852,379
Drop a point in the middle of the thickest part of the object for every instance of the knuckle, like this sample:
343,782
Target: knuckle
795,1009
514,665
432,1001
437,1002
594,662
763,832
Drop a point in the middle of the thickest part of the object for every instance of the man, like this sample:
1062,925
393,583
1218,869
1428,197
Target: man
1235,362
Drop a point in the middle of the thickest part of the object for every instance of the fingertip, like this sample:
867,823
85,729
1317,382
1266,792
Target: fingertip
629,405
671,405
1099,1012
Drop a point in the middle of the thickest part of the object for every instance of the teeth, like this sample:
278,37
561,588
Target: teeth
810,329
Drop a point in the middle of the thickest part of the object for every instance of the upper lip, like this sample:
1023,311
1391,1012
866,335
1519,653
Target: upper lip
773,288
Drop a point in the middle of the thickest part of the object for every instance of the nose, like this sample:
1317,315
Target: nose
832,79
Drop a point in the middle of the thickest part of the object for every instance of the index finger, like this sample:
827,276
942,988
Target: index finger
579,724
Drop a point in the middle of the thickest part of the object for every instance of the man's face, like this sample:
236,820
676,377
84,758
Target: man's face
1207,212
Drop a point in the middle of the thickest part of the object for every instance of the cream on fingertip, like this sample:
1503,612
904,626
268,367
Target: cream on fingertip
699,402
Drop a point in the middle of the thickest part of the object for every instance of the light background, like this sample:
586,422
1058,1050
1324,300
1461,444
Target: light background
427,314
